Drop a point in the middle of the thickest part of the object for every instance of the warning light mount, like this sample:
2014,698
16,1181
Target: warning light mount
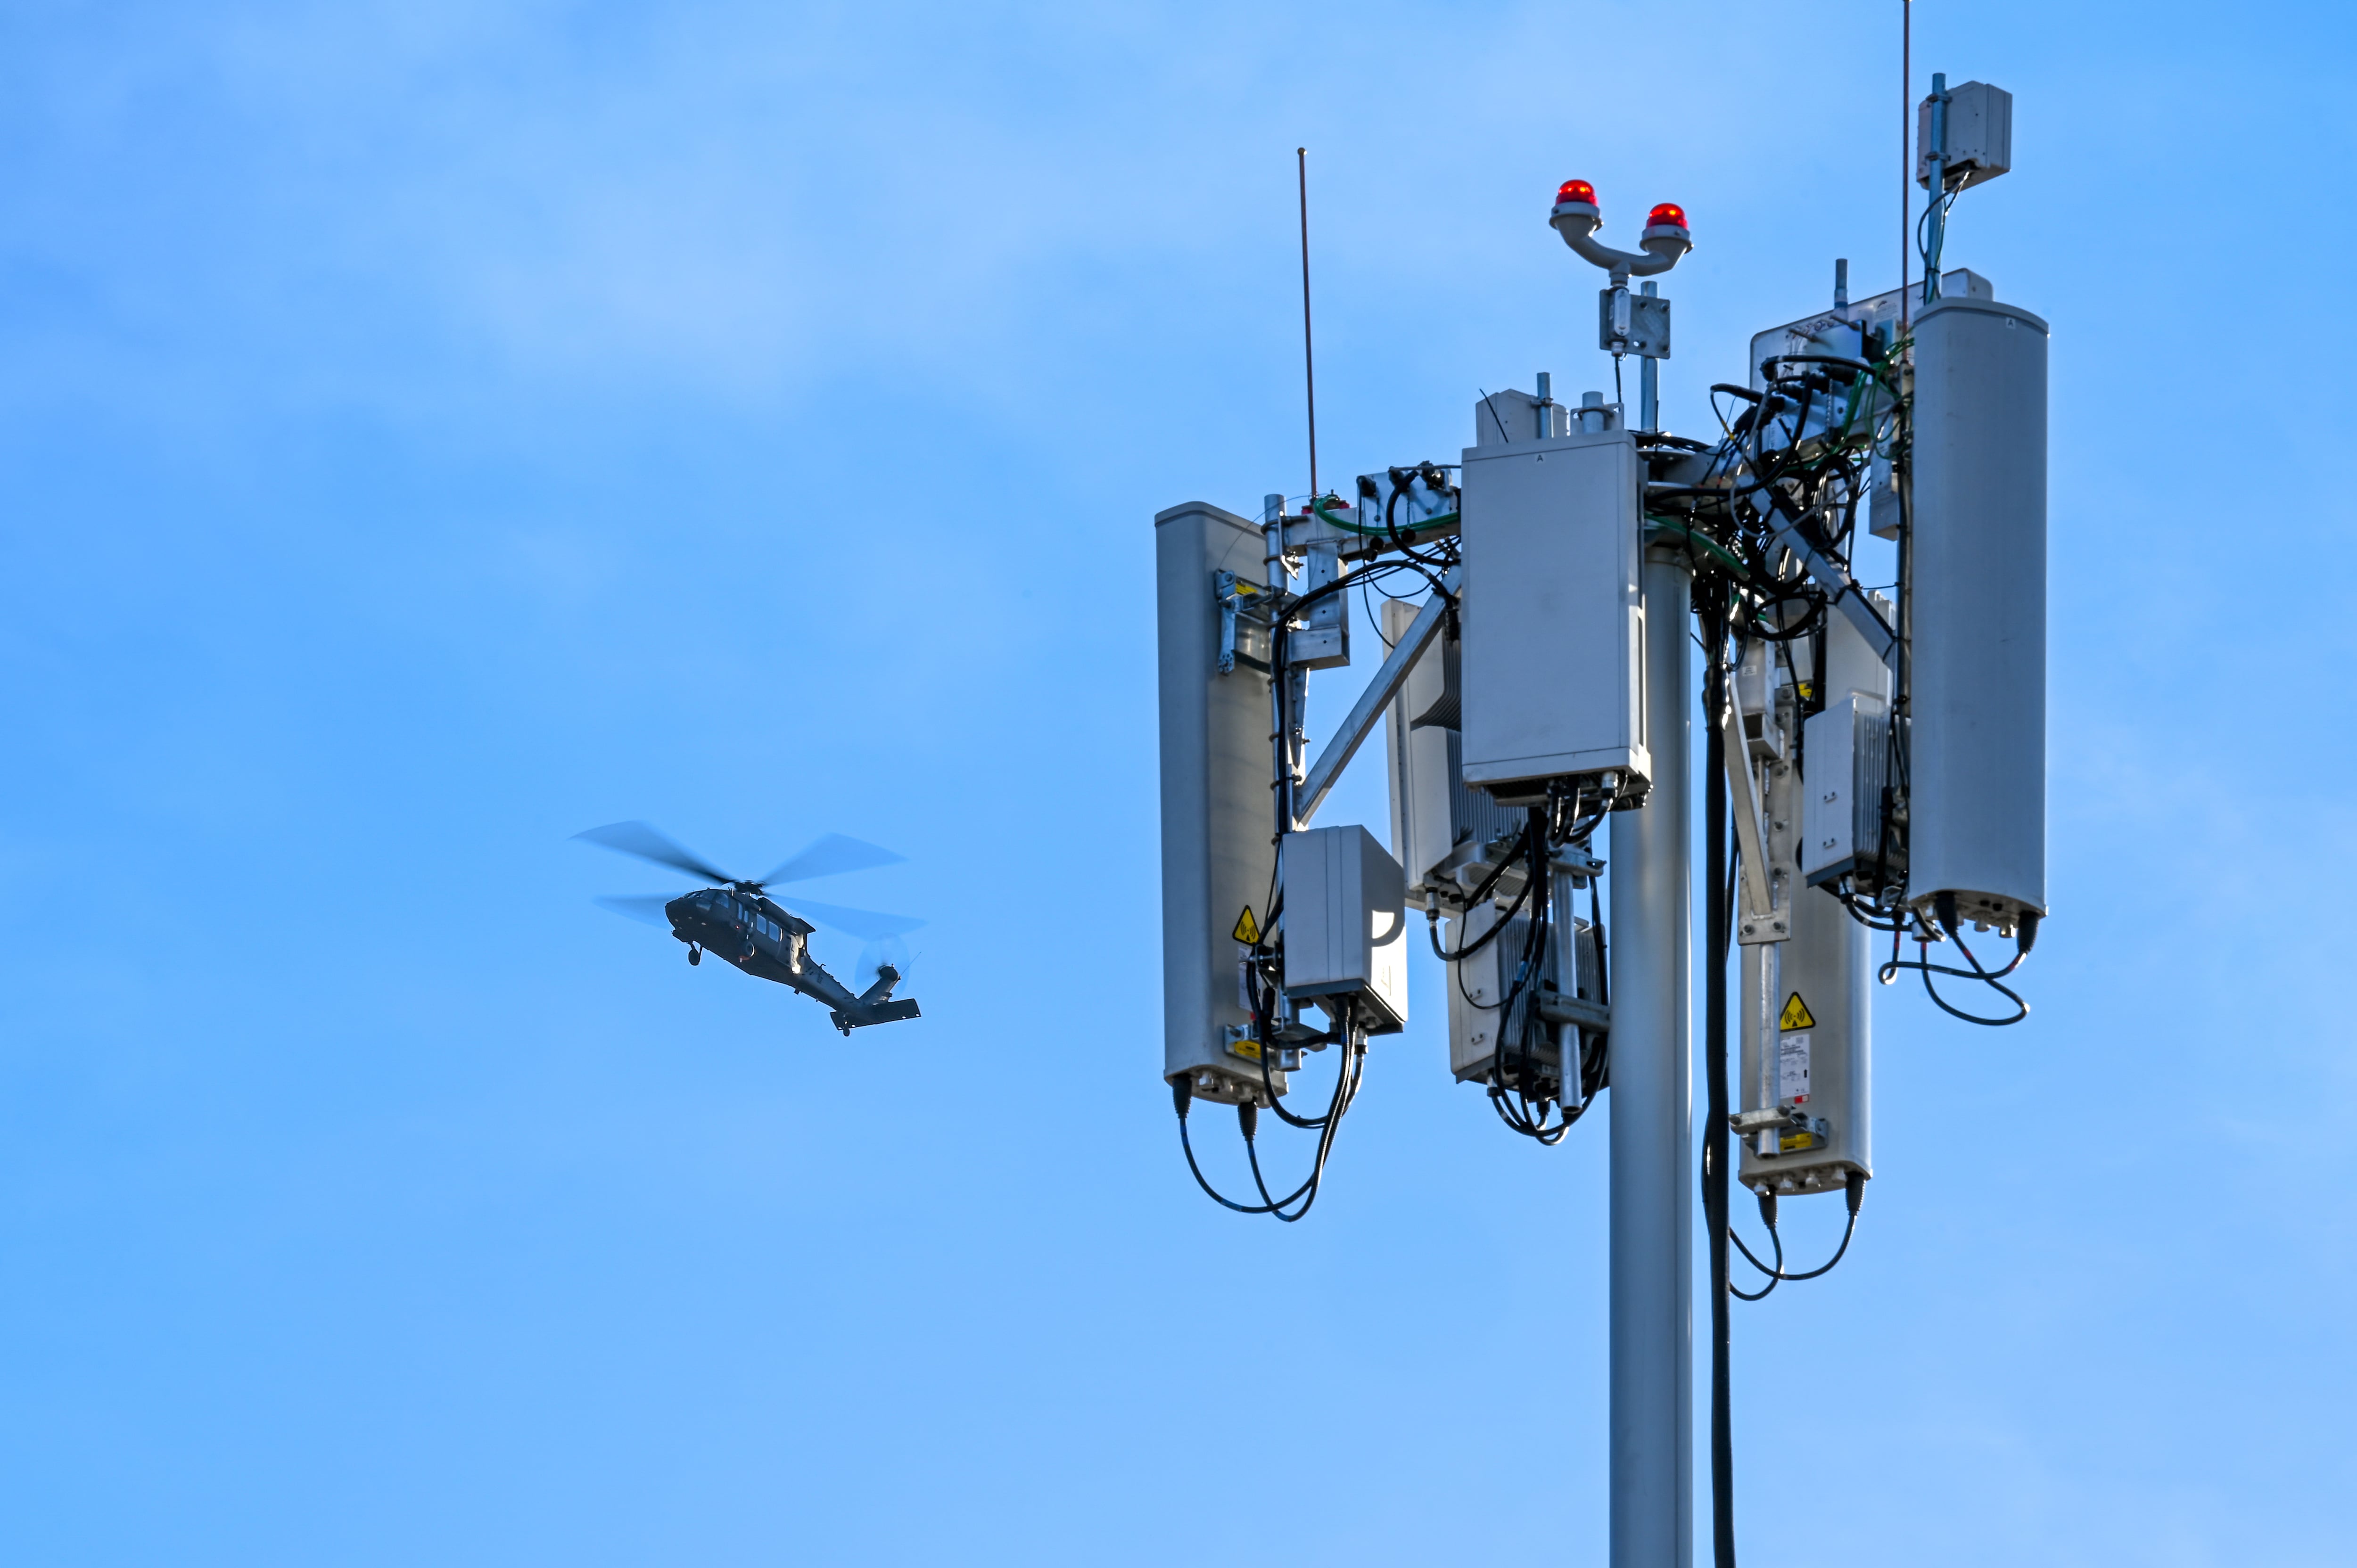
1576,216
1627,323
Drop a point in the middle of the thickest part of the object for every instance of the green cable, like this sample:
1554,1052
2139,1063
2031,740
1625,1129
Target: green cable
1710,546
1379,533
1320,507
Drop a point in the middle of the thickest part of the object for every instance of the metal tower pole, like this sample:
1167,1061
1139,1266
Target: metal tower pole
1653,1111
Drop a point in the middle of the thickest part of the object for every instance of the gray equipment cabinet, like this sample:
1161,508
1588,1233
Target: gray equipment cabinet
1346,926
1219,847
1553,620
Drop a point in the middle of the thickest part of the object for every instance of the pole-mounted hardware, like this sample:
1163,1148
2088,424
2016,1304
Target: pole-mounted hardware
1627,324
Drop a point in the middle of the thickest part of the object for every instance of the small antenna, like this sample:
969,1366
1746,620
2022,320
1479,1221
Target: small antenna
1906,169
1493,417
1308,361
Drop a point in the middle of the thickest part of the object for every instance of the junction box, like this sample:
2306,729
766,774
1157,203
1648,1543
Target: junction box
1346,926
1553,661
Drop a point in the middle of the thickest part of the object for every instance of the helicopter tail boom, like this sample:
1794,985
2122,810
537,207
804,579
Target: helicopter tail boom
875,1004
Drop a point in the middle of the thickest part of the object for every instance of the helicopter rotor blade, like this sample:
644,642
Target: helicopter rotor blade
865,924
639,839
831,854
647,908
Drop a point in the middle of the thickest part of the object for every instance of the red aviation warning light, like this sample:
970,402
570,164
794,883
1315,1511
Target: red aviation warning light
1577,217
1575,211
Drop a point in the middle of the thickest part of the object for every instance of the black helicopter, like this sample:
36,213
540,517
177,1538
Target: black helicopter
738,920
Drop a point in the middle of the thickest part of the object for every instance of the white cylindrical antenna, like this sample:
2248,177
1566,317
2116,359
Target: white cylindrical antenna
1978,672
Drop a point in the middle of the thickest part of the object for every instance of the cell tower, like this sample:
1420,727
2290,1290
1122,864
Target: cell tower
1873,770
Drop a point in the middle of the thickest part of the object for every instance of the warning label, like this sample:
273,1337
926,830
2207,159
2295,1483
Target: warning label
1248,929
1793,1066
1797,1011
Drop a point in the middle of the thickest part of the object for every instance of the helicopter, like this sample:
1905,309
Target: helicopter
738,920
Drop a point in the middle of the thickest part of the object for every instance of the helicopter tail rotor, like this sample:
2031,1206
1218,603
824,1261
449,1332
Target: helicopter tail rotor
883,966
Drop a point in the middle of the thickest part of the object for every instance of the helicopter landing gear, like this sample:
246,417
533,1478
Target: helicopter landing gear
694,954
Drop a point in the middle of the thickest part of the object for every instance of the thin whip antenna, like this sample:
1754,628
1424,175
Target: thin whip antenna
1308,361
1905,171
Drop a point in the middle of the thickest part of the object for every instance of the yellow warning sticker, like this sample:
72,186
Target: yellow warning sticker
1247,929
1797,1011
1248,1048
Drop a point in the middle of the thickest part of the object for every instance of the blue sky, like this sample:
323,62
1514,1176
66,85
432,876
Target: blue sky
427,430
